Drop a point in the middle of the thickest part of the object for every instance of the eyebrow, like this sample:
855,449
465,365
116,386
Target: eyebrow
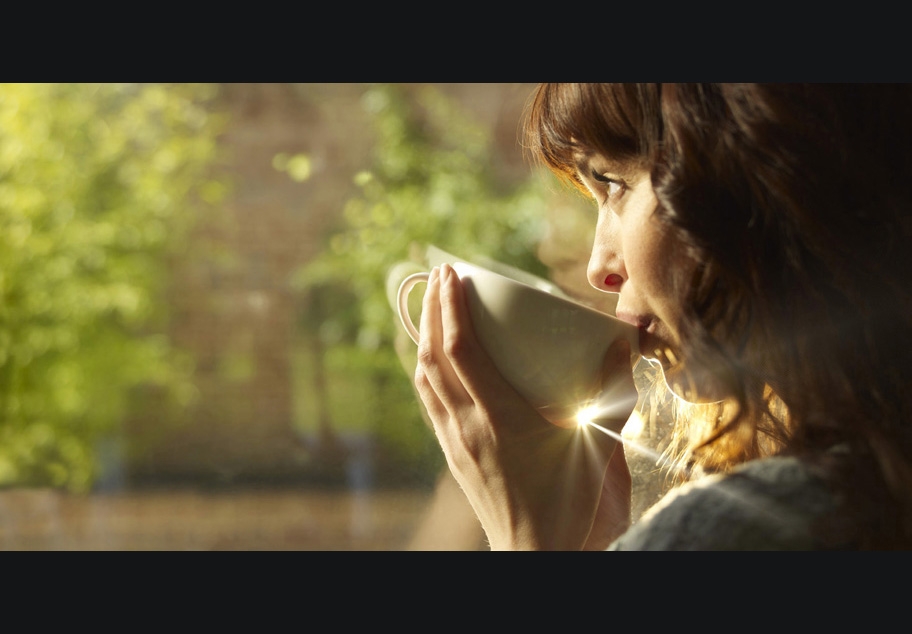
582,163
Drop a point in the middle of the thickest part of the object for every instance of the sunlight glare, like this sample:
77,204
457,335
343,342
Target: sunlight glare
584,416
634,425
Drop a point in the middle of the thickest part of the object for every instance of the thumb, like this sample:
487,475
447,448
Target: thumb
617,397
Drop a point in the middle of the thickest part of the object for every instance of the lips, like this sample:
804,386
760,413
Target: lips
646,323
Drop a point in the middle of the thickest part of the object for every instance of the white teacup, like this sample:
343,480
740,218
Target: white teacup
549,347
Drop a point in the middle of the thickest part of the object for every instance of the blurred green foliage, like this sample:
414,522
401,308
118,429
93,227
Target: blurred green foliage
434,180
98,185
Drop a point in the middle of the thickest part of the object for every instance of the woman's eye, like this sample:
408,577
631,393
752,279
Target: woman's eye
613,187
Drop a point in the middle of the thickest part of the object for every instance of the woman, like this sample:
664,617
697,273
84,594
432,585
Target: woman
758,237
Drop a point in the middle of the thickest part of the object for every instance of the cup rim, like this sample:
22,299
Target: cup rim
563,297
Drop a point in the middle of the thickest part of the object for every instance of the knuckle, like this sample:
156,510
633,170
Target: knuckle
456,348
422,383
425,357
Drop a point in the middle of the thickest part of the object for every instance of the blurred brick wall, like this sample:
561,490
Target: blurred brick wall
231,301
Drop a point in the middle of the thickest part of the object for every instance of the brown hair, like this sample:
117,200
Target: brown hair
795,200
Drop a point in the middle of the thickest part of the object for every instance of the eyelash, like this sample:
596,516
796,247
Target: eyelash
608,182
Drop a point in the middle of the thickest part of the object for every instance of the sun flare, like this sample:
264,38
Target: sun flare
585,416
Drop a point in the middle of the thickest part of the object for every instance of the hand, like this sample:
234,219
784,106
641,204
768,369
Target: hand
612,518
533,485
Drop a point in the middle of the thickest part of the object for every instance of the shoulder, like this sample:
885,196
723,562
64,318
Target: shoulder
769,504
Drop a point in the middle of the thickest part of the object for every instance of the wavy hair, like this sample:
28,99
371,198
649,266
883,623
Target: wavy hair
795,200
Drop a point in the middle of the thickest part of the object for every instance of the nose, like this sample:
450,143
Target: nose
606,270
602,276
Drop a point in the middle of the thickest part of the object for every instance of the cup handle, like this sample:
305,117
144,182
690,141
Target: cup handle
402,301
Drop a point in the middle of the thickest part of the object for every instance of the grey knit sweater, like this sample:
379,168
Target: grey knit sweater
768,504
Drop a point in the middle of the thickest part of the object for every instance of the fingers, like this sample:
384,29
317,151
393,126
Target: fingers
617,378
612,517
478,374
618,396
437,383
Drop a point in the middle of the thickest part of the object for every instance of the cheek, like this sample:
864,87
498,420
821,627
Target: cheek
665,258
663,276
647,256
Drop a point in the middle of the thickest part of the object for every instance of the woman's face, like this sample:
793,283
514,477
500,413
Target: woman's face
634,256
